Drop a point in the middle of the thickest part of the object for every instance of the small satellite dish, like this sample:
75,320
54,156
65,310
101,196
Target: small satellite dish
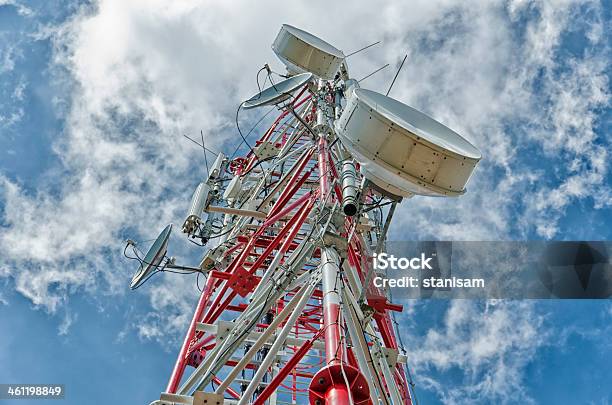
153,259
302,52
402,150
278,92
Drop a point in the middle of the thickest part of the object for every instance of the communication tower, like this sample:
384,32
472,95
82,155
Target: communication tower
288,313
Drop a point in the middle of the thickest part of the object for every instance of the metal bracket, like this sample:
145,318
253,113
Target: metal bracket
223,329
212,258
331,239
174,399
242,281
391,355
266,150
368,312
207,398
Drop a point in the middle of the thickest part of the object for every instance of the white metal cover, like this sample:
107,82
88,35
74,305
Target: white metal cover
278,92
301,52
403,150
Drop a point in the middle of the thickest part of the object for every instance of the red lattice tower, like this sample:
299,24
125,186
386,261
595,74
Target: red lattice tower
279,319
289,313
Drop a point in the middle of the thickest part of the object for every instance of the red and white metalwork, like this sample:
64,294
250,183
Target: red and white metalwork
285,316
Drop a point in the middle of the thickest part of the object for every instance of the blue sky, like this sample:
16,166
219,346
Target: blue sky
95,97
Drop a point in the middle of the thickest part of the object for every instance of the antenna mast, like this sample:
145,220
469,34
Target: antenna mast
287,314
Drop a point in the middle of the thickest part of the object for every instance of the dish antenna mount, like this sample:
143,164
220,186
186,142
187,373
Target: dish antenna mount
155,260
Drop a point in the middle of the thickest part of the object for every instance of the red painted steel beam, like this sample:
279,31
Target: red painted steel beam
229,390
297,220
181,361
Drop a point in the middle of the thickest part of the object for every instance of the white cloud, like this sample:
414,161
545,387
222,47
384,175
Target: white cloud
7,59
504,92
67,321
577,95
21,9
172,304
489,344
12,108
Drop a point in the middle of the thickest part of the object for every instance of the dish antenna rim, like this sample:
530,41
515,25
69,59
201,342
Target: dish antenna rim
457,145
314,41
153,258
279,92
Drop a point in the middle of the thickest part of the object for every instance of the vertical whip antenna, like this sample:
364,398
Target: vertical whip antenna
204,151
396,74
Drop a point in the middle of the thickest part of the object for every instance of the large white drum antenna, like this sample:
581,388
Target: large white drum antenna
302,52
402,150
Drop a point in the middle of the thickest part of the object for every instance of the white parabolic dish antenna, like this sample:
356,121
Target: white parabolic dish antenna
302,52
153,258
402,150
278,92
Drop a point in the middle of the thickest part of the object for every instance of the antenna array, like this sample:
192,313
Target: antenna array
288,314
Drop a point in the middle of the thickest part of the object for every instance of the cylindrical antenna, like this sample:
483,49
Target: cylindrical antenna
349,188
198,203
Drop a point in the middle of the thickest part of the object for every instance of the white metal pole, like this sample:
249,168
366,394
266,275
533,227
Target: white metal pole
280,340
262,339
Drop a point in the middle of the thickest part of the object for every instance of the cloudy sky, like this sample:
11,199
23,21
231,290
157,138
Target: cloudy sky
95,98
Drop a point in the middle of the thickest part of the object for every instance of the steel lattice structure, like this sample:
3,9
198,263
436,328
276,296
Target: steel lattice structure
288,313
